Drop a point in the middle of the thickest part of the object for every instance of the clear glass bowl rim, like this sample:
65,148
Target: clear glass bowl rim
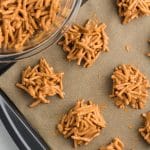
13,57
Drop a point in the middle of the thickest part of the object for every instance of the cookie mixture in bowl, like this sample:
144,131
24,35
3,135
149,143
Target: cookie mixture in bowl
21,20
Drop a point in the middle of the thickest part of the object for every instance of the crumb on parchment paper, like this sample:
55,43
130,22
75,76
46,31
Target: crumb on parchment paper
148,54
116,144
127,47
130,126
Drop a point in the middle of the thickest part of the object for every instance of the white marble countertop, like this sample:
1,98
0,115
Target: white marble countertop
6,143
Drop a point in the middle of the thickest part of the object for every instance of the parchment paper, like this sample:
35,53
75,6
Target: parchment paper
92,83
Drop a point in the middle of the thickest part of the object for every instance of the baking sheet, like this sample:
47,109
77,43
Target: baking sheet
92,83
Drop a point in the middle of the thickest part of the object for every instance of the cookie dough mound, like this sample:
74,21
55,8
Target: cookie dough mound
85,43
130,87
82,123
116,144
40,82
132,9
145,131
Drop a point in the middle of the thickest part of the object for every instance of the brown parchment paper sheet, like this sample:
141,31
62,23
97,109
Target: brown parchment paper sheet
92,83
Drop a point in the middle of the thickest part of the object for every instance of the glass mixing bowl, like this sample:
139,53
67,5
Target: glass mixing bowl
69,9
